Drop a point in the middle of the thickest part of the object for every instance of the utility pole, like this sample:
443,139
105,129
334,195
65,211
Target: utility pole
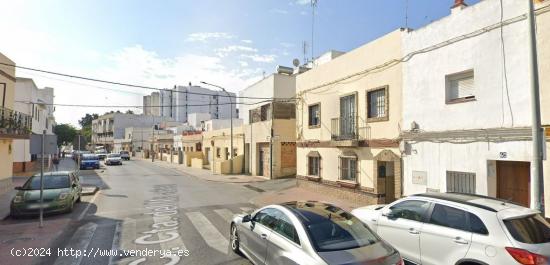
42,180
153,145
537,188
313,6
231,122
79,155
271,144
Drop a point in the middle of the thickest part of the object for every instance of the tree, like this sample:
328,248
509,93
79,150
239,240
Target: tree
65,133
87,120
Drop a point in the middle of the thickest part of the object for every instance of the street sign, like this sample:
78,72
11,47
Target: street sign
50,144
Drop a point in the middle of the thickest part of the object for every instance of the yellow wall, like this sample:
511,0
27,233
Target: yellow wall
6,165
10,83
189,156
258,134
6,156
221,139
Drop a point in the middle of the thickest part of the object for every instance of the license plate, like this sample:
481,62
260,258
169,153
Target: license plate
36,206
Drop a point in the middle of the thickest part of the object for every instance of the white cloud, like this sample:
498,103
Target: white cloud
243,63
222,52
247,41
287,44
303,2
205,36
265,58
279,11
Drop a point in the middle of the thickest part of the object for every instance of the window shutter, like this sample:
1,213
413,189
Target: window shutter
462,87
307,166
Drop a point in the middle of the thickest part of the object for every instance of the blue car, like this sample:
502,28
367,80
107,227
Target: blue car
89,161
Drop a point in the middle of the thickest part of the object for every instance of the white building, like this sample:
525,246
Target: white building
466,101
181,101
37,103
217,124
109,127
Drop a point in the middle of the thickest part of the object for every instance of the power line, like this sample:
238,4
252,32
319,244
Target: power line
140,106
130,85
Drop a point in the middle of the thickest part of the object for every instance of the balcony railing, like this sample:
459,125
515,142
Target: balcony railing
14,123
343,128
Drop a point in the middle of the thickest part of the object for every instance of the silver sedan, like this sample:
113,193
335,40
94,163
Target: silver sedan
308,233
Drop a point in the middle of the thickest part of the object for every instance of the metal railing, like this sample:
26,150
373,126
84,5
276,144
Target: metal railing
14,122
343,128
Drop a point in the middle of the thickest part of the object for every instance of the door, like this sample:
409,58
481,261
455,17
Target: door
401,227
513,179
256,234
386,172
448,230
347,117
261,163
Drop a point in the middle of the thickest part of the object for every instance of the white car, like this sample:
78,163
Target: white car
113,159
461,229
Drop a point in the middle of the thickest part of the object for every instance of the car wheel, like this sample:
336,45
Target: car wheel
234,239
70,209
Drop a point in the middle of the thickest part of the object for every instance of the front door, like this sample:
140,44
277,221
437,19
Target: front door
347,117
513,179
261,163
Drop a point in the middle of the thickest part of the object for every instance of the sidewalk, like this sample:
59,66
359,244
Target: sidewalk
206,174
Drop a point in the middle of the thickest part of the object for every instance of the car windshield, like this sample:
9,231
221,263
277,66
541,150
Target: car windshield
90,157
114,155
50,182
124,152
532,229
331,228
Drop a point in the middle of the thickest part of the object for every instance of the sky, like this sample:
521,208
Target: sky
231,43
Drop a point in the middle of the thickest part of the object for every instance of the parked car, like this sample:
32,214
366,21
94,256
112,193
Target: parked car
308,233
454,228
113,159
62,190
101,154
125,155
89,161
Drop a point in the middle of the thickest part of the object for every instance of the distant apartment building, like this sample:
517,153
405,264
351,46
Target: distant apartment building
14,125
467,106
38,104
348,117
263,153
109,127
181,101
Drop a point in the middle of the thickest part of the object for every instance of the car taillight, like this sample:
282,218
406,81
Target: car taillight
527,258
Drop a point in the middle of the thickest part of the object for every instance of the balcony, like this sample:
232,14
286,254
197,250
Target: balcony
344,132
14,124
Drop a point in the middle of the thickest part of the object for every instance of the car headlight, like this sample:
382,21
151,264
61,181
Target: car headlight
63,196
18,198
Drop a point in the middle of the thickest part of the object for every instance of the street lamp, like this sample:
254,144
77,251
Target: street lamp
231,113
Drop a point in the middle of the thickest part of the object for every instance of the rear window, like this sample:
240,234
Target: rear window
50,182
90,157
533,229
340,231
114,155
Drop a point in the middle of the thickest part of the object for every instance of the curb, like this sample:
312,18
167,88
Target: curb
88,191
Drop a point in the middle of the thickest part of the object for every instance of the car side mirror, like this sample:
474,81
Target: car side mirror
247,218
389,213
74,185
18,188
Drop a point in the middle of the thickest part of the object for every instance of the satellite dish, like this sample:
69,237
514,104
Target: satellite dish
296,62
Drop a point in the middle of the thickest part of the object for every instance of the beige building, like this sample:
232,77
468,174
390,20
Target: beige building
13,124
348,119
215,148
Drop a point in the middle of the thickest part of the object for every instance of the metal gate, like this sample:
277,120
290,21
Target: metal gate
463,182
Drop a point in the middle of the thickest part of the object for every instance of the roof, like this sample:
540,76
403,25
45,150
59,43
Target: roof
483,202
311,212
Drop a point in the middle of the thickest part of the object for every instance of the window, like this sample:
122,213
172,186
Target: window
449,217
314,112
410,210
531,229
348,168
463,182
347,117
477,226
314,165
218,152
460,87
235,152
285,228
377,104
267,217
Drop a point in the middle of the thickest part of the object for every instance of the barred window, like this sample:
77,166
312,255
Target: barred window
314,112
377,103
313,166
348,167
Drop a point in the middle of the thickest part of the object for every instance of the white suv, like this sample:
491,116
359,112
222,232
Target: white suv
454,228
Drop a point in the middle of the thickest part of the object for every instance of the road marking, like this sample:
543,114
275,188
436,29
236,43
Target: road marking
128,234
246,209
225,214
208,231
88,206
116,240
80,241
172,244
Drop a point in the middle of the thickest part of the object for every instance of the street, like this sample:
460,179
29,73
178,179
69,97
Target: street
121,217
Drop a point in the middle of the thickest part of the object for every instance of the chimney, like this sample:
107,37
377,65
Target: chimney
458,5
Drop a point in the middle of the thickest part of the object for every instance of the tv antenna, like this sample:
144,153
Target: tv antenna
313,6
304,51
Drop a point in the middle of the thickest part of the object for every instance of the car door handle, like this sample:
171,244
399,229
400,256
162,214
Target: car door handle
263,236
413,231
460,240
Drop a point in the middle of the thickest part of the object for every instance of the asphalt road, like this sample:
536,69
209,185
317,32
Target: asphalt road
147,208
